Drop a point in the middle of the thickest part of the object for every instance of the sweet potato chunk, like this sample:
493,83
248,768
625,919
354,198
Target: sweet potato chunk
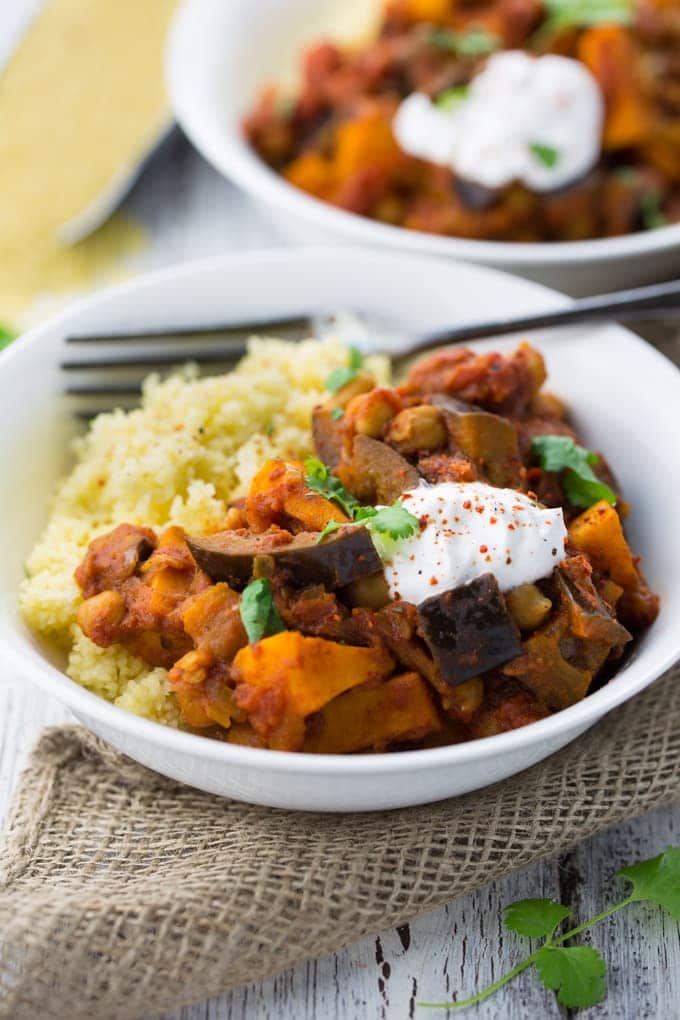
279,494
283,679
396,711
599,534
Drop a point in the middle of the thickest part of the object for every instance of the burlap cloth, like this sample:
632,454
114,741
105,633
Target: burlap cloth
123,894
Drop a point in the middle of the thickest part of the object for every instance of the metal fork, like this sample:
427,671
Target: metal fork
115,378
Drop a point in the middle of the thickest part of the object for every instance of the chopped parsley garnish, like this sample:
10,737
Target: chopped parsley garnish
578,973
545,154
258,612
580,484
450,98
651,211
566,14
476,42
337,413
319,478
6,337
339,377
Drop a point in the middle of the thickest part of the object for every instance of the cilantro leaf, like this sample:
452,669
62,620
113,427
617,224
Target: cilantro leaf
535,918
258,612
450,98
545,154
394,521
329,529
651,211
476,42
581,486
6,337
339,377
576,973
657,880
319,478
566,14
337,413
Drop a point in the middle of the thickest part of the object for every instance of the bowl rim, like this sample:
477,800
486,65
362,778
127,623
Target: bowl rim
225,147
30,661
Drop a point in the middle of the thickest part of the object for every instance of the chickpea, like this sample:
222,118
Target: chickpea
362,383
368,413
528,606
547,405
99,617
421,428
465,699
371,592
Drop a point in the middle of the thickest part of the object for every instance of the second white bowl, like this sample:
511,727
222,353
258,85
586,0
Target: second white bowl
219,57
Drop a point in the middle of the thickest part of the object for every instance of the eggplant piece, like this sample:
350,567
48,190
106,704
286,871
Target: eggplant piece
377,473
328,436
488,439
469,630
342,557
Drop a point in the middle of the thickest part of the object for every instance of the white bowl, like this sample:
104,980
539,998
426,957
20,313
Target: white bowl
624,396
221,54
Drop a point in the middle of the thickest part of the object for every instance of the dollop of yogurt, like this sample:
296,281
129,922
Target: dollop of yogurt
537,120
469,529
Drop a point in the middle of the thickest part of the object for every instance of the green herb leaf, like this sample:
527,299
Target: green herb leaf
339,377
450,98
395,522
545,154
6,337
581,486
651,211
319,478
627,174
337,413
329,529
657,880
535,918
576,973
258,612
566,14
474,43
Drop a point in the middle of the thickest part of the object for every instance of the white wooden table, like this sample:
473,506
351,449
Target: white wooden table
191,212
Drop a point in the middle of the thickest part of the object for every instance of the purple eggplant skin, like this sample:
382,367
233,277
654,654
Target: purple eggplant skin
328,436
343,557
490,440
469,630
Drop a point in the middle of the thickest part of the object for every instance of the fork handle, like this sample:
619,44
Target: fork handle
637,302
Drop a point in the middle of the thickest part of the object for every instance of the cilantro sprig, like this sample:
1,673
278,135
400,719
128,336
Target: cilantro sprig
651,211
344,374
449,99
259,615
319,478
476,42
563,15
580,484
548,155
387,524
578,974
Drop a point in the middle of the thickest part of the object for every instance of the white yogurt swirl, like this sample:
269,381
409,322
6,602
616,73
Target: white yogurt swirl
469,529
537,120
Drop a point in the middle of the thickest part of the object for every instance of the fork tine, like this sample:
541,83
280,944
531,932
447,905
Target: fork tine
299,323
202,356
112,389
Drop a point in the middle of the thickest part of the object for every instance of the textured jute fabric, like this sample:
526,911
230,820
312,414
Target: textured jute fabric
123,894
